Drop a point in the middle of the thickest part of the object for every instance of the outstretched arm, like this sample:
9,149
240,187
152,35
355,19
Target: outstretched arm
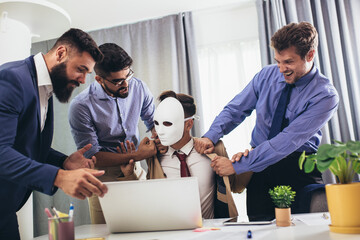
299,131
77,160
145,150
80,183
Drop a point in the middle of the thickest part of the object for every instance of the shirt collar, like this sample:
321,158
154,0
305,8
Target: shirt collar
100,92
302,82
185,149
43,76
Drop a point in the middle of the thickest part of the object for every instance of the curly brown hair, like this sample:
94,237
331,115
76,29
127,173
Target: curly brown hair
303,36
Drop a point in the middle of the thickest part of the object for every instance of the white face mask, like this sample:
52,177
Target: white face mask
169,121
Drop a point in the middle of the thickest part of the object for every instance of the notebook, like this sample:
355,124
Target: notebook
152,205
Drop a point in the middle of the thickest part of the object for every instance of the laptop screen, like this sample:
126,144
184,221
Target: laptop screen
151,205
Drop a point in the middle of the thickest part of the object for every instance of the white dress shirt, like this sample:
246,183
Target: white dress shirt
44,85
199,166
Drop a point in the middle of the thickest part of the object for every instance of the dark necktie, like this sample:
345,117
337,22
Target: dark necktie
184,170
278,123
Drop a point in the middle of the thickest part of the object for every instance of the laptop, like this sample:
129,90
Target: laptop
152,205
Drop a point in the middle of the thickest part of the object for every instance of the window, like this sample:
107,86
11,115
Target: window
225,69
229,57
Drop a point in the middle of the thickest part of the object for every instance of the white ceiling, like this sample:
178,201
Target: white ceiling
47,19
91,15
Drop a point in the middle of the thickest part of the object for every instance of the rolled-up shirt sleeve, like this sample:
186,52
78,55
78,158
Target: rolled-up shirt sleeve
148,108
82,129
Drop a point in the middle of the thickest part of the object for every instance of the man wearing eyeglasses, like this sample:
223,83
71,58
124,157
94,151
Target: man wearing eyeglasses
106,114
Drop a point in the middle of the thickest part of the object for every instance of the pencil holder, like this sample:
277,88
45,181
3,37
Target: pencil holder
61,229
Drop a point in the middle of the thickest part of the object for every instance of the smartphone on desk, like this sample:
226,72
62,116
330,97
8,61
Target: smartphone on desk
240,221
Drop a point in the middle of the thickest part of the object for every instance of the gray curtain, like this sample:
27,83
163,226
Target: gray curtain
338,52
165,58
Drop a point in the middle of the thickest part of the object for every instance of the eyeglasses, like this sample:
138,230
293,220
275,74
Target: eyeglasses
118,82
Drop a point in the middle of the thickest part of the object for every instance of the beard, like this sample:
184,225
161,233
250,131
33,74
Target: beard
62,85
116,93
122,95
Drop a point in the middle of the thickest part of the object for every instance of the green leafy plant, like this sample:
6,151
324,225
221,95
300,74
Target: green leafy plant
342,159
282,196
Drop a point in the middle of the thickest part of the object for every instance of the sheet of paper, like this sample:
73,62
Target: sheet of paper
312,219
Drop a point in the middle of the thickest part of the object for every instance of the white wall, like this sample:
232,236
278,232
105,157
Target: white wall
224,24
15,39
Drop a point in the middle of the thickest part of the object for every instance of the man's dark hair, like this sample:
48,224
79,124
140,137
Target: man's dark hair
186,101
303,36
115,59
81,42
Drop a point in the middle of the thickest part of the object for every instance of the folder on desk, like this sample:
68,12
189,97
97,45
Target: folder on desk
152,205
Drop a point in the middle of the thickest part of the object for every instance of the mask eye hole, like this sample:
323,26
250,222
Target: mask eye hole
167,124
156,123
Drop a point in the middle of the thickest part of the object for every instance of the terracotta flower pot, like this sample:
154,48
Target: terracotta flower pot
283,217
344,207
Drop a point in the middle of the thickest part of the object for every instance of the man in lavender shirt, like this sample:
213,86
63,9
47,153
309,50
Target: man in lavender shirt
312,103
107,113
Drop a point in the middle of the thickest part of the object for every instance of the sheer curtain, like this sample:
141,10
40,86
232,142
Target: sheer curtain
338,52
225,69
164,55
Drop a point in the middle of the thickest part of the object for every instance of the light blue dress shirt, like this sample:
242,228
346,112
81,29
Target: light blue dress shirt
313,102
105,121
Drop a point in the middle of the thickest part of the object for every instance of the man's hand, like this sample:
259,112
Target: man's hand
146,149
128,168
153,133
238,155
77,160
222,166
160,148
130,147
203,145
80,183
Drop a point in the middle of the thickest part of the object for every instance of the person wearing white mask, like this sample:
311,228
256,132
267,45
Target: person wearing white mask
173,121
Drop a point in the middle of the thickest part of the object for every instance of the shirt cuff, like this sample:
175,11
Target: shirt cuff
213,136
150,127
91,152
241,166
52,171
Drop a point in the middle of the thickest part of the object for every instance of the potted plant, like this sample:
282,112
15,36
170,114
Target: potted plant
343,160
282,197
